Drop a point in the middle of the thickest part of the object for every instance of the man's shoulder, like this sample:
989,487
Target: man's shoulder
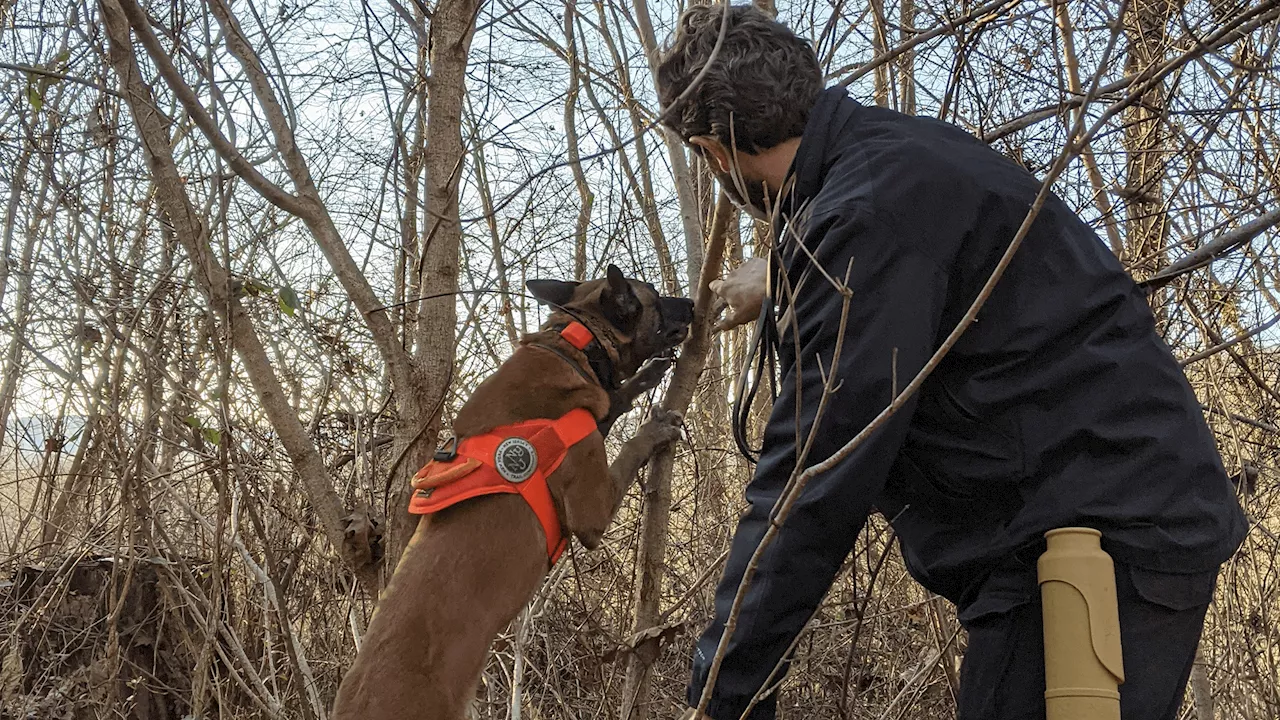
893,168
919,154
917,173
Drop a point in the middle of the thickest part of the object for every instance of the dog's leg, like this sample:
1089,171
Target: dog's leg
622,399
661,429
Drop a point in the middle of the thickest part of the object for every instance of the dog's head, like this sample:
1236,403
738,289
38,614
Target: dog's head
638,322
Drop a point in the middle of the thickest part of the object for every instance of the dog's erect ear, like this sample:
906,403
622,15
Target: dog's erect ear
552,292
677,310
618,302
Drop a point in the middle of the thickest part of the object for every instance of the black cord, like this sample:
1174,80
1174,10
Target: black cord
763,351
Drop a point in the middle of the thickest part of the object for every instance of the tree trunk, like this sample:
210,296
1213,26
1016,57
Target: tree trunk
907,61
452,27
650,562
880,44
1100,193
585,197
1201,691
1144,140
654,520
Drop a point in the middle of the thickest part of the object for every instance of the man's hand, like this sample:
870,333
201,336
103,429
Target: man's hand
743,291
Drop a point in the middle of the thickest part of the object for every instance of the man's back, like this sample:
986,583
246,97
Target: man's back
1060,405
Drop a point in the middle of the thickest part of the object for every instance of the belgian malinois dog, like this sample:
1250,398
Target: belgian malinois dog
537,425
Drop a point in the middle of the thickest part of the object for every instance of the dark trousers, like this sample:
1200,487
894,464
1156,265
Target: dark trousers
1161,616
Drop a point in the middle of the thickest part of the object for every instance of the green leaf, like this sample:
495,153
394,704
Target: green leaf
35,96
289,301
192,422
211,436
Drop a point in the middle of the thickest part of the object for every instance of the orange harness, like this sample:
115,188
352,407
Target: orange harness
516,458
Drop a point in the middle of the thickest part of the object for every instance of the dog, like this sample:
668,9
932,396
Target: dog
531,437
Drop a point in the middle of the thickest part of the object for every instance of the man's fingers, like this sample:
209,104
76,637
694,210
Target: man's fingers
742,291
735,318
718,306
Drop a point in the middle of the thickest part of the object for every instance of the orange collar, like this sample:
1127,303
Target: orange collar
578,335
516,458
600,359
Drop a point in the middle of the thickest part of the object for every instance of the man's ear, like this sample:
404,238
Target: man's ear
552,292
618,302
713,150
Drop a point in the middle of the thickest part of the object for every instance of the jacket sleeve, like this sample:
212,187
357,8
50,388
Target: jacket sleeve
897,300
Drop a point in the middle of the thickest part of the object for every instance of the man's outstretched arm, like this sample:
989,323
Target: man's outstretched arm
893,318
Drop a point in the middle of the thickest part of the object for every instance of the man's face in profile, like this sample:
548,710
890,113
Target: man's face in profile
755,201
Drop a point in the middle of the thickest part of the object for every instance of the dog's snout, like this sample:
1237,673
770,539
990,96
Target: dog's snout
677,312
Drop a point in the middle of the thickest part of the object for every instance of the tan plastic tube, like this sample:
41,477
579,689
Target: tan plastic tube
1083,666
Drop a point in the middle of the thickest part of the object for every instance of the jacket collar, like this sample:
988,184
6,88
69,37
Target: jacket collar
819,147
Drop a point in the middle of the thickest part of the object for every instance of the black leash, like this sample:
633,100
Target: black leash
763,351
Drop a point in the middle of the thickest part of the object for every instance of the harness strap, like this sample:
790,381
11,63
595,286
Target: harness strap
499,462
553,441
516,458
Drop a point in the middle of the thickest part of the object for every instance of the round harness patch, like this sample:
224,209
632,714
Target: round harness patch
515,459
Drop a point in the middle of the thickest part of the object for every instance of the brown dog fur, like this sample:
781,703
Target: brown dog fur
469,569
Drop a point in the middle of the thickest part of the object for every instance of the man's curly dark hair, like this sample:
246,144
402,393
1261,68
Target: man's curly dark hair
765,78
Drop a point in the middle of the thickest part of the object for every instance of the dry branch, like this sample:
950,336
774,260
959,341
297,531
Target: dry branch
654,523
215,284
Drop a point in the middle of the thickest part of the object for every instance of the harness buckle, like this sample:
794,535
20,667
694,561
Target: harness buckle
448,452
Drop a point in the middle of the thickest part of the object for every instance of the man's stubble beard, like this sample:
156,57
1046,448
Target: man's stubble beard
756,200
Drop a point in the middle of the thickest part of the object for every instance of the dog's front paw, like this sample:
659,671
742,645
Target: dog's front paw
649,376
662,428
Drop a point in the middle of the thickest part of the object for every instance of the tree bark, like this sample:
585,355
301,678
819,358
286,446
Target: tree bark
1144,139
880,44
1100,193
452,26
13,365
655,516
1201,690
907,60
586,198
650,561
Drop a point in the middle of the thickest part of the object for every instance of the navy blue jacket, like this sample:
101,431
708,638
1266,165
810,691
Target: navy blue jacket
1060,406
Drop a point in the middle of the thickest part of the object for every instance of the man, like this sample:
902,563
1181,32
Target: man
1060,406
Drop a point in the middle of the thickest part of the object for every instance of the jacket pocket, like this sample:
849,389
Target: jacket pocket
1002,592
1174,591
